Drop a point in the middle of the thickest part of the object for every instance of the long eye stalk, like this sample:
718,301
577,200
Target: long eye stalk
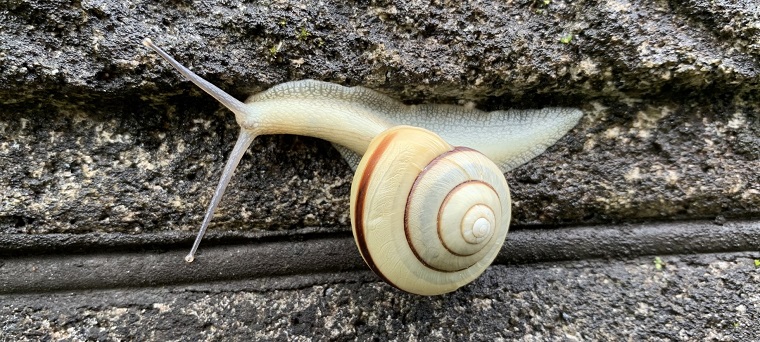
244,139
227,100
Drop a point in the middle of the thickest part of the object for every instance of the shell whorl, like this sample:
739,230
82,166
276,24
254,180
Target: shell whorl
428,218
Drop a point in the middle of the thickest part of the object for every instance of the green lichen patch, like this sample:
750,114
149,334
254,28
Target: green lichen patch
566,39
658,263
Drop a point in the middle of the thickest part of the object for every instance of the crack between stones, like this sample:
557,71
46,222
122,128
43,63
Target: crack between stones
110,261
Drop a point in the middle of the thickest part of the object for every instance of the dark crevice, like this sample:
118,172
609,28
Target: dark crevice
74,262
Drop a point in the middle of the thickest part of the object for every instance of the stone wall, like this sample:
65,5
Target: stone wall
98,135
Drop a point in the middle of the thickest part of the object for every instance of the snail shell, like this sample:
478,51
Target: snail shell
448,227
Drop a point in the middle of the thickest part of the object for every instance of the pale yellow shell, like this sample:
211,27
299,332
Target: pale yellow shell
427,217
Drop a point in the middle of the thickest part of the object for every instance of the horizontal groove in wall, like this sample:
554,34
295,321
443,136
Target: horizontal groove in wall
101,261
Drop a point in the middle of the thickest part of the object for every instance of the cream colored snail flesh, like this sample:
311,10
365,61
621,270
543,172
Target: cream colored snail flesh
430,207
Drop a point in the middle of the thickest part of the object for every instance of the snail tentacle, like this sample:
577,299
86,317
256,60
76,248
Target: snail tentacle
244,140
227,100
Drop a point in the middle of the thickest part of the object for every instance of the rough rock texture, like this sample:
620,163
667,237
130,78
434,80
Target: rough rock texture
65,262
98,135
689,298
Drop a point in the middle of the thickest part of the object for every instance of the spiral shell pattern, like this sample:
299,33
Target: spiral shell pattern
428,218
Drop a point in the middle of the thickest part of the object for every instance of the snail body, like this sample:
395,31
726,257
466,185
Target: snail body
430,207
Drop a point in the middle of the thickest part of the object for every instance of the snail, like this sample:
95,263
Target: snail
430,207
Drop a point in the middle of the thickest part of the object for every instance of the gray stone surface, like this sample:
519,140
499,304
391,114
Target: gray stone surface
99,135
711,297
64,262
105,150
545,285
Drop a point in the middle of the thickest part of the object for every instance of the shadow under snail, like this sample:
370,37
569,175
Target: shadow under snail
428,217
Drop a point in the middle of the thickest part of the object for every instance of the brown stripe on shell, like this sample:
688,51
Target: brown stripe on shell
409,197
360,198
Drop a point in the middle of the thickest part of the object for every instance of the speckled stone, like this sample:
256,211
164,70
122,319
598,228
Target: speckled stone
99,135
101,141
692,298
